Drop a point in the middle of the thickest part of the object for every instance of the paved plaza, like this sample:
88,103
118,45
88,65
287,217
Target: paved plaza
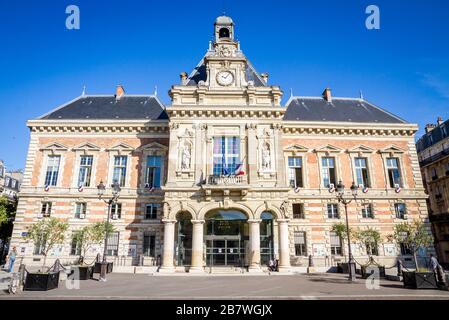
300,286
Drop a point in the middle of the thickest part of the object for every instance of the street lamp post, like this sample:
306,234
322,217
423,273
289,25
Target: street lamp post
115,194
340,198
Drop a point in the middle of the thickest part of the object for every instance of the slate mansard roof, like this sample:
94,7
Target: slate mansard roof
128,107
338,110
439,133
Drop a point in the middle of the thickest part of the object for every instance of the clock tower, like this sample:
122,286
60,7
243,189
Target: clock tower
225,76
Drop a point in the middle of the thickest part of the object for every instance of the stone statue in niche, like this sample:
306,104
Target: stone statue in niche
186,156
266,157
284,208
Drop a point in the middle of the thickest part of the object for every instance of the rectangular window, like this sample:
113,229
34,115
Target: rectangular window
400,210
335,244
328,171
113,240
361,171
80,210
434,174
298,211
151,211
394,175
116,211
119,174
300,243
46,209
226,155
367,211
149,244
372,250
295,172
51,177
405,249
332,211
85,171
39,246
153,174
75,247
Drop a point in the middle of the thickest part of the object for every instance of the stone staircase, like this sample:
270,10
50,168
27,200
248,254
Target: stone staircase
225,270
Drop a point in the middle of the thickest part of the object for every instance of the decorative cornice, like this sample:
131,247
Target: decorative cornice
222,112
99,126
349,129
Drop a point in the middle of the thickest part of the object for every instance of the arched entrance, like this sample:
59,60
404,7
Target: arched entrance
183,239
226,238
266,238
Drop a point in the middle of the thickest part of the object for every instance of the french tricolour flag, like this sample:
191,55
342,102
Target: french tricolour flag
239,170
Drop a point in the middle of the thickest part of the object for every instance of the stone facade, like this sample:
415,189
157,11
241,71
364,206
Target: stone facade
224,99
433,153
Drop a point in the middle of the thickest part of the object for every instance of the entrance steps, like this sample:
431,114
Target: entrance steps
225,270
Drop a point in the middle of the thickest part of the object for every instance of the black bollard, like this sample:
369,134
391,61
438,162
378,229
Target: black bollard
399,268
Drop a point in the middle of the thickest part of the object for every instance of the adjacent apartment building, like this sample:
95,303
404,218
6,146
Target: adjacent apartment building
224,176
433,154
10,182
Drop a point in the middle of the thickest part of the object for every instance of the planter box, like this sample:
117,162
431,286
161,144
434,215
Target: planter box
97,267
343,267
41,281
81,272
370,269
419,280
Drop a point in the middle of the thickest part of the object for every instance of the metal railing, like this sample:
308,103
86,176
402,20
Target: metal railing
225,180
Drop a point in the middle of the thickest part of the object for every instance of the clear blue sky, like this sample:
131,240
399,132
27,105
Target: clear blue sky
303,45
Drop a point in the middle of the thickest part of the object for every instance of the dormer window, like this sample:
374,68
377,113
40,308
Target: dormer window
223,33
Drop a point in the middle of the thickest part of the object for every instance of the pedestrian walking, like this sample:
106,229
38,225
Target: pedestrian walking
12,258
436,268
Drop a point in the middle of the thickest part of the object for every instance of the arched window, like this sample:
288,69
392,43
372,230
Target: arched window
223,33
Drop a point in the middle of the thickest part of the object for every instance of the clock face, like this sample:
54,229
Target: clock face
225,78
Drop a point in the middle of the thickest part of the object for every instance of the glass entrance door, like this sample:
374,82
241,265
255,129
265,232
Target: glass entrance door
224,251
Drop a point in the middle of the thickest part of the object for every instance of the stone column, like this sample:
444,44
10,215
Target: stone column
169,244
199,147
254,239
279,154
197,246
252,153
172,154
284,250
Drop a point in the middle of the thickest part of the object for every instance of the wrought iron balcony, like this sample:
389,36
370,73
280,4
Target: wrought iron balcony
434,158
222,180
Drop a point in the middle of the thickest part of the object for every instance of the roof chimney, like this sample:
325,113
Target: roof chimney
429,127
264,77
119,92
440,121
327,95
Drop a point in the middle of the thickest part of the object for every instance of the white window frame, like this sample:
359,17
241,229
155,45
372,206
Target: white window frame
292,171
156,207
91,166
336,211
152,149
368,183
83,206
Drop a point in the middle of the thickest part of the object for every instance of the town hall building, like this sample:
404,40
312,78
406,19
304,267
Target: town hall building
226,176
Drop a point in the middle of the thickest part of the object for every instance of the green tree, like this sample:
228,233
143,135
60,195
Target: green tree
341,230
7,214
47,233
93,234
369,238
414,235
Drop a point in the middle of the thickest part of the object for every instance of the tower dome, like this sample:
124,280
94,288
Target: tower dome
224,20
